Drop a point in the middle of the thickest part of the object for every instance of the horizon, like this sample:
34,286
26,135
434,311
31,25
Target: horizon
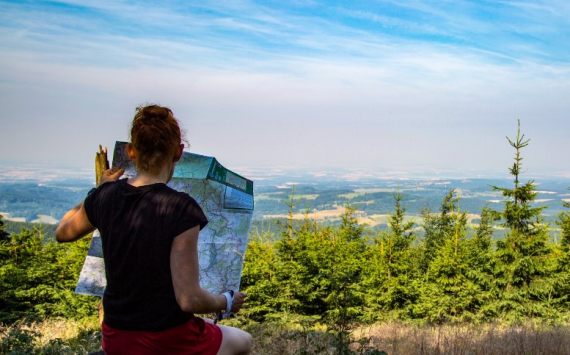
311,84
46,173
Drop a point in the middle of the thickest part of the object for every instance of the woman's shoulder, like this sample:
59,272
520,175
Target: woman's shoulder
181,196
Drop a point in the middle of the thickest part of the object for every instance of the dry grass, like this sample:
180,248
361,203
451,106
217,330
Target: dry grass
471,340
81,337
404,339
53,336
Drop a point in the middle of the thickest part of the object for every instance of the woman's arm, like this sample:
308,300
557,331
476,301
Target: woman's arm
75,225
186,279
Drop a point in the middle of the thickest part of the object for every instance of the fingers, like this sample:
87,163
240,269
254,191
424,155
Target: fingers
108,175
239,299
117,174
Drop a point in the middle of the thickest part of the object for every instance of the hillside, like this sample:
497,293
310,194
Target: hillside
322,197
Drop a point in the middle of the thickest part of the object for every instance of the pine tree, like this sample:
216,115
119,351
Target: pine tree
340,275
561,277
447,293
480,250
39,277
437,227
3,235
290,273
390,268
564,223
258,279
481,244
520,265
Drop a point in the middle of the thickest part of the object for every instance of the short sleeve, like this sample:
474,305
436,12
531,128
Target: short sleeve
90,209
92,203
190,215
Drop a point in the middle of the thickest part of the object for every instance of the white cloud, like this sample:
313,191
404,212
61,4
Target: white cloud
268,87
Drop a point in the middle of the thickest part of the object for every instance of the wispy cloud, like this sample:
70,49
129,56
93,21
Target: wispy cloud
345,83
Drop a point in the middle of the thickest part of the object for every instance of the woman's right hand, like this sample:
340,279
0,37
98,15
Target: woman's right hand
109,175
239,299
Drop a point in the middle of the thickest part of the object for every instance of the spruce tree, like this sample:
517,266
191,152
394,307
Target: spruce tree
520,265
564,224
3,234
447,293
340,275
258,278
480,250
437,227
390,269
561,277
290,273
33,282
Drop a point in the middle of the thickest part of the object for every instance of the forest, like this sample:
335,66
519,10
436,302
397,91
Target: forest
316,285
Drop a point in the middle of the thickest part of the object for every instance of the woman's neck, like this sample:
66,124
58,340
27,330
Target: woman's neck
148,178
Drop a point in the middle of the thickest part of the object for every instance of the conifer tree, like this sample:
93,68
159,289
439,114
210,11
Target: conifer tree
564,224
33,282
340,275
520,265
289,271
480,254
447,292
390,268
258,279
481,244
3,235
561,277
437,227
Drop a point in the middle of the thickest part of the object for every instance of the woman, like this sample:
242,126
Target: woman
150,243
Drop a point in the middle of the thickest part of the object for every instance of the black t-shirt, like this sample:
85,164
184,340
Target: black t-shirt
137,226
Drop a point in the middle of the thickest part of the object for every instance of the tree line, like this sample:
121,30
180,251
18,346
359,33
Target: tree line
343,274
449,272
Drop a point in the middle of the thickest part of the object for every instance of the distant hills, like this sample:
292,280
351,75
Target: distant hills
319,196
29,201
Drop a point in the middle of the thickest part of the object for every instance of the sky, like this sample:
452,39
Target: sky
410,86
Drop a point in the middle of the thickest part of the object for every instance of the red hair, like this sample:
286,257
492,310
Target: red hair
155,136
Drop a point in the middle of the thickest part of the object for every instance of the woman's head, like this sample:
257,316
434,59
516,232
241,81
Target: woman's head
155,137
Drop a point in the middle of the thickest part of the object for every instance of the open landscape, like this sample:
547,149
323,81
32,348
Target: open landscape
382,245
409,161
320,195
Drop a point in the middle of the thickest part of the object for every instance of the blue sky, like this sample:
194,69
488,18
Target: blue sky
377,85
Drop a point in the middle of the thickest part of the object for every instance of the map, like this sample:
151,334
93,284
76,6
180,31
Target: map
227,201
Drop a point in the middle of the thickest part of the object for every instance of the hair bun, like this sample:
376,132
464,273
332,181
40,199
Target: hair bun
155,136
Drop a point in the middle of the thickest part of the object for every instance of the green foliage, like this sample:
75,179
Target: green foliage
30,199
18,341
341,273
560,278
37,278
438,228
312,272
521,261
390,267
338,275
48,230
564,223
51,336
448,293
3,234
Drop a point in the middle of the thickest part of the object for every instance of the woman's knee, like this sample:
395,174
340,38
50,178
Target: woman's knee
247,341
235,341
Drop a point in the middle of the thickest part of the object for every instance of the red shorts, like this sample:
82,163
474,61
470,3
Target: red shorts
193,337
